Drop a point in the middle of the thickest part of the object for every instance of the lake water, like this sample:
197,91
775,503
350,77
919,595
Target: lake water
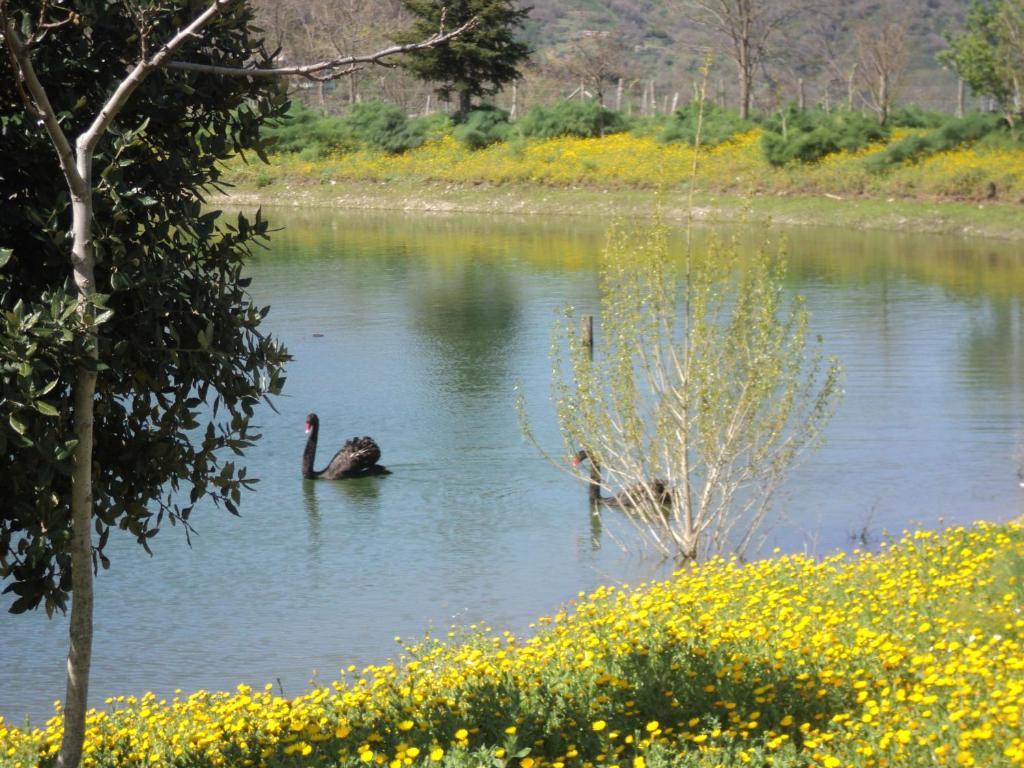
416,330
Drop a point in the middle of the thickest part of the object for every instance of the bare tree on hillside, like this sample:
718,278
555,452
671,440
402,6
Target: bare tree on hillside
882,59
315,29
748,28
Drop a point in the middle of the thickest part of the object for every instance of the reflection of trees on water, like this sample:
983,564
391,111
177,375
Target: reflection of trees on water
336,502
993,351
470,314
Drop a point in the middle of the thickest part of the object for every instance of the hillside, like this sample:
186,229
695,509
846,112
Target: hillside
649,39
667,45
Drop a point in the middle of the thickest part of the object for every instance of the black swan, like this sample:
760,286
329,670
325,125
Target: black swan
357,457
657,489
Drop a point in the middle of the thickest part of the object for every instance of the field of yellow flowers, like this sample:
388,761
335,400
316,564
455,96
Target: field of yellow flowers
910,657
626,160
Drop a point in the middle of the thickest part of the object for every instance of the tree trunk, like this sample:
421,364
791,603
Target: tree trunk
801,102
745,78
849,88
352,98
515,102
883,98
618,95
465,103
960,97
80,631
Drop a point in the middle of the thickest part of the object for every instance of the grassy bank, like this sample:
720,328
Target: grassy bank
965,190
907,658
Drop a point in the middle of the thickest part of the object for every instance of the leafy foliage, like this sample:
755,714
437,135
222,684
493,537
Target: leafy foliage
718,125
989,53
585,119
807,136
183,359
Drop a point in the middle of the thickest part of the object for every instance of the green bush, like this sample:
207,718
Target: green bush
807,136
915,117
954,133
384,126
719,125
483,126
585,119
310,133
373,123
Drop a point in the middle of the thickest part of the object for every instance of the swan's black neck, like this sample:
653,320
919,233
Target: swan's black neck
309,454
594,488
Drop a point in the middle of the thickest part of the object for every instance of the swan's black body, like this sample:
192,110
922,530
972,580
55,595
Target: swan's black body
629,498
357,458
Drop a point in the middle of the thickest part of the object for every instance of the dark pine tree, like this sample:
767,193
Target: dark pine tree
480,62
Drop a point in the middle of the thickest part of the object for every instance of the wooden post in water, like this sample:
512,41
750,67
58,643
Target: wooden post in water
587,337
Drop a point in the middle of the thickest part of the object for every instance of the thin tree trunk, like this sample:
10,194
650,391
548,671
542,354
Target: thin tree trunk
80,630
883,98
960,97
744,90
515,102
618,95
850,88
352,98
465,103
801,102
675,101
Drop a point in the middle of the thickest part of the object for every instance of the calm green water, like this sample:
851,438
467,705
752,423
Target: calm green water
415,330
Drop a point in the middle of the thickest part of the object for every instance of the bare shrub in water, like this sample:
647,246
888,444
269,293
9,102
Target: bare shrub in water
703,392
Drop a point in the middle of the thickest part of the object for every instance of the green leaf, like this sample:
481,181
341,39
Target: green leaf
17,424
45,408
5,256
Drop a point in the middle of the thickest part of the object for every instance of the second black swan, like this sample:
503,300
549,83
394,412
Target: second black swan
629,498
358,457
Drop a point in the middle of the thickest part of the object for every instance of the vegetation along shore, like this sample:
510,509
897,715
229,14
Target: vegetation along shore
965,184
911,656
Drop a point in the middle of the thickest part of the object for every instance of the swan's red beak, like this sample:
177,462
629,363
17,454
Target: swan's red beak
309,427
575,461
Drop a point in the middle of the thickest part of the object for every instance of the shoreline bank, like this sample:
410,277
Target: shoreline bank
1002,221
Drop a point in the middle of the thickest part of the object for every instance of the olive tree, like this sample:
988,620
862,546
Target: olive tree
702,393
131,355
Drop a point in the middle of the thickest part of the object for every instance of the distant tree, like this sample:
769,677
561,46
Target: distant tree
747,27
479,62
882,58
989,54
595,61
131,356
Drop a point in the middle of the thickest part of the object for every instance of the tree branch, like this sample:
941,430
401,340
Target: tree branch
330,69
40,105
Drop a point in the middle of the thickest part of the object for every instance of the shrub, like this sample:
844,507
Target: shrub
586,119
483,127
719,125
384,126
809,135
915,117
954,133
307,131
